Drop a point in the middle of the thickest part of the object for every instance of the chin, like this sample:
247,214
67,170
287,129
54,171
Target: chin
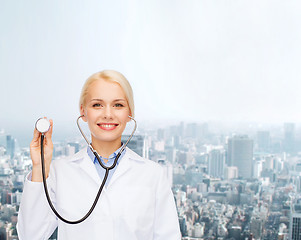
104,138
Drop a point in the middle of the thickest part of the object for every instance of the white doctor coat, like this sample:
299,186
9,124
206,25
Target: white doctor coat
137,204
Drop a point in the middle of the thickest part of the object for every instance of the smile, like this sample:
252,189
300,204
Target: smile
107,126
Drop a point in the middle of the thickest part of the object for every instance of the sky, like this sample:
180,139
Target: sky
192,61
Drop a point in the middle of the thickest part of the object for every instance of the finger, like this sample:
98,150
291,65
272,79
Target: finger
36,135
48,134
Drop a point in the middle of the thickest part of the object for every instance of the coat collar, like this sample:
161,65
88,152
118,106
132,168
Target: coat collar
84,162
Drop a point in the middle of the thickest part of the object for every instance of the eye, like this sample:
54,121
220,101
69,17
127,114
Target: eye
96,105
118,105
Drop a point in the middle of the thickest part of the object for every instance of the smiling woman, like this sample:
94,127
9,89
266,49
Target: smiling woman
114,77
106,110
136,203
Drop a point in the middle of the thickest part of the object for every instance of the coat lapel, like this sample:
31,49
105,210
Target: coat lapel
125,165
85,163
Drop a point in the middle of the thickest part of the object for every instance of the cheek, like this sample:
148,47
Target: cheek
124,117
90,116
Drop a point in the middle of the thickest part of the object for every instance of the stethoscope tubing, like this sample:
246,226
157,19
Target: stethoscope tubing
96,154
102,165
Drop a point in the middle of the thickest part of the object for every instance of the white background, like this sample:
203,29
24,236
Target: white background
187,60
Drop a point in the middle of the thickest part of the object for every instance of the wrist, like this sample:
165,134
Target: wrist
37,173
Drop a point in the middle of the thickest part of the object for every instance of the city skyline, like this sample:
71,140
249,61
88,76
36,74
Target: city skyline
215,194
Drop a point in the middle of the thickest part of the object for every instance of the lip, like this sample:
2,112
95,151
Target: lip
107,126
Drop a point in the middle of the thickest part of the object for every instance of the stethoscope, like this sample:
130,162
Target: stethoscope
43,125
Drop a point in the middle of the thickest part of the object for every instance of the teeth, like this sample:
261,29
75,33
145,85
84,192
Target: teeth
107,125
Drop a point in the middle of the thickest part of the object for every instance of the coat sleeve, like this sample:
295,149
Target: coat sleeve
166,217
36,221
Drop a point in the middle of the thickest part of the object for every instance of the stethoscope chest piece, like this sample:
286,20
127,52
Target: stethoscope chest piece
42,125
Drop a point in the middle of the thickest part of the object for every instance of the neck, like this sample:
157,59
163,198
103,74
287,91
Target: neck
105,149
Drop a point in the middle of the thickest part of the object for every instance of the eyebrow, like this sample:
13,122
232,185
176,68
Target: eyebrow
115,100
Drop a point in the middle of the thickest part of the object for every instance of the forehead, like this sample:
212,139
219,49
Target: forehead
105,90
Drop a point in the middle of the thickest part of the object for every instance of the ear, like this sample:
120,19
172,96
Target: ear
82,113
129,118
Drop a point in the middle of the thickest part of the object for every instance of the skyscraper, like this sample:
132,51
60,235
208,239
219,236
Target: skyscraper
289,138
240,154
137,144
295,222
263,141
10,146
216,163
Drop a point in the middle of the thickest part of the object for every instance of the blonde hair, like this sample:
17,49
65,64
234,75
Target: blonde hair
110,76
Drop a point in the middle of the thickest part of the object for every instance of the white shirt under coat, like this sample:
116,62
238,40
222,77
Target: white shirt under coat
137,204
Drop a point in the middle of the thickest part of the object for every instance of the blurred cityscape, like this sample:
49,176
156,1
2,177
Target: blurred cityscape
228,184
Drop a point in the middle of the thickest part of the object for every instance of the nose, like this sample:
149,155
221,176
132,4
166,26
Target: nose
108,113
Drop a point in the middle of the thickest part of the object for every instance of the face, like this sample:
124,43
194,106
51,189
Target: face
106,111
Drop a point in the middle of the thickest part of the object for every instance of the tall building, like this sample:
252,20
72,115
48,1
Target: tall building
191,130
263,141
256,227
161,134
168,170
10,146
295,222
240,154
289,138
171,154
137,144
230,172
257,169
216,163
2,138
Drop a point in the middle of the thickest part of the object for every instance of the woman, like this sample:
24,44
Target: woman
136,203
